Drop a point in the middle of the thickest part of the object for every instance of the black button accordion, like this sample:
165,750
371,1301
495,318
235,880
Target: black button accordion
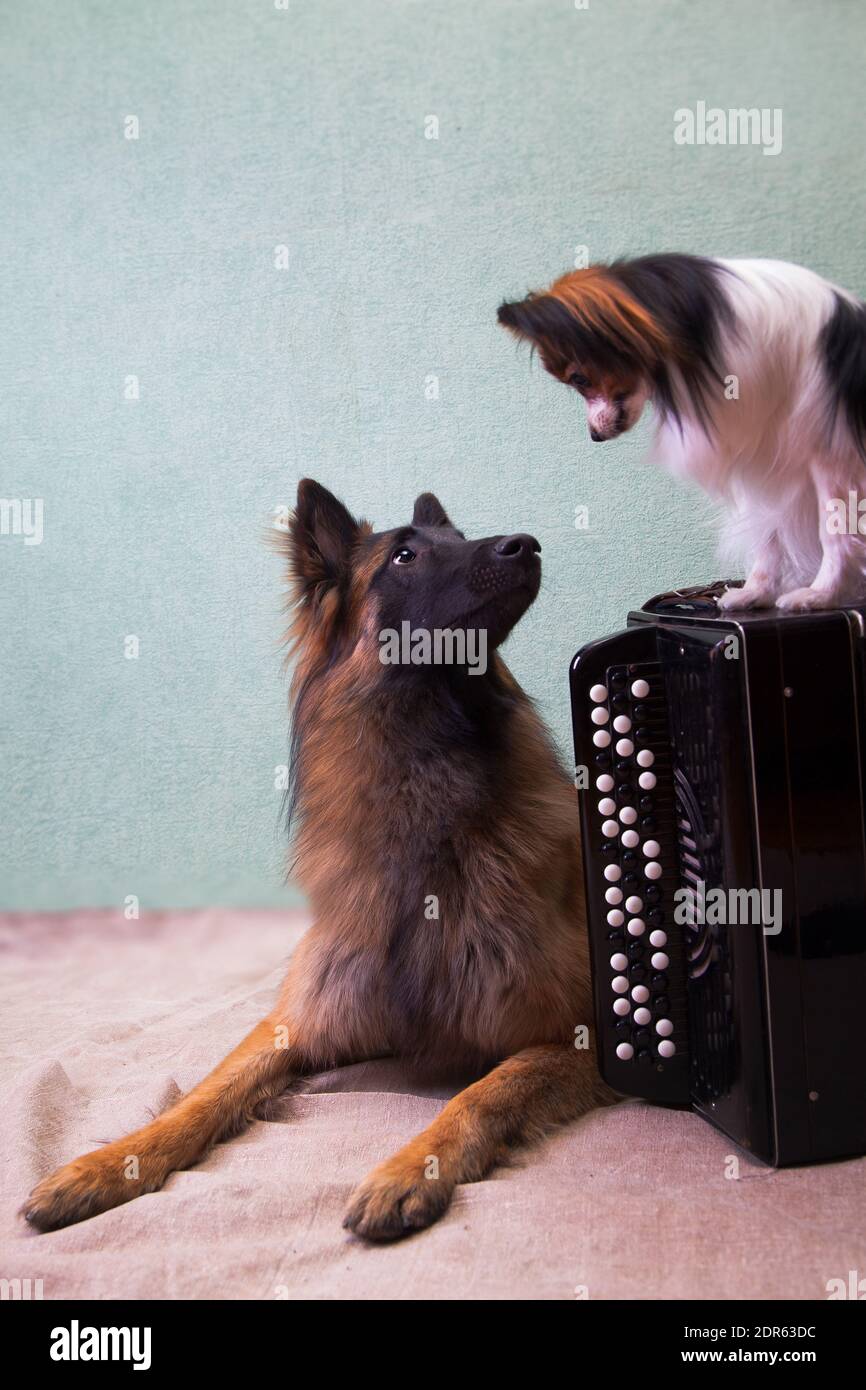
721,762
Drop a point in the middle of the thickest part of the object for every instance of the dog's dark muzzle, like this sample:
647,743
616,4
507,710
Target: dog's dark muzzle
520,547
507,564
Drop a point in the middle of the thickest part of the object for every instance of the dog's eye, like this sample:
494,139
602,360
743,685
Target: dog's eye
403,556
579,380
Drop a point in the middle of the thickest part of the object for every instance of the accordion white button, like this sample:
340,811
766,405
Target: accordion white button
630,838
619,961
639,689
601,738
607,806
605,782
628,815
619,984
658,938
646,757
659,960
633,904
625,747
613,873
653,869
647,780
666,1048
642,1015
622,724
610,828
640,994
600,715
614,896
615,917
598,693
651,849
664,1027
624,1052
637,926
621,1007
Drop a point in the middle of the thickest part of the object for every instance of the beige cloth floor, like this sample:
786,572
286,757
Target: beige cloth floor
105,1022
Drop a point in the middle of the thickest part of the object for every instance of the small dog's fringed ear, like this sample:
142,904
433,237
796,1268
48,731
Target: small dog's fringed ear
429,511
507,314
539,318
518,318
321,536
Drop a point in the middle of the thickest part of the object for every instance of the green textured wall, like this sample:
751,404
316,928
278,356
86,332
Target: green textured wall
305,128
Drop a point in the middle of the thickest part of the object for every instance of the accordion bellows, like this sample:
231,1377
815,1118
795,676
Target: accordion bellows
721,761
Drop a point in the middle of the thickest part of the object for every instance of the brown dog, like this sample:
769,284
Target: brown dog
437,842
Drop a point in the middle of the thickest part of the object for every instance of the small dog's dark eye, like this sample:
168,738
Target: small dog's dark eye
579,380
403,556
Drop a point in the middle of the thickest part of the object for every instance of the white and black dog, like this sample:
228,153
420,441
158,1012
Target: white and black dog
757,370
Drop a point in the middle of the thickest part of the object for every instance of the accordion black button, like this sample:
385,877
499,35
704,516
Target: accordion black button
635,950
659,982
643,1037
656,916
602,759
622,766
662,1003
641,711
637,973
620,701
630,879
623,1030
642,735
629,856
617,681
648,822
644,1055
652,894
609,847
624,792
646,803
617,937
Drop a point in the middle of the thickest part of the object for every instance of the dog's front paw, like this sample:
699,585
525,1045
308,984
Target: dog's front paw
807,601
87,1186
738,600
396,1199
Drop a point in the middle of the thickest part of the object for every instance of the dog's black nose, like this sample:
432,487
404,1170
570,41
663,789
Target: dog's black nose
598,438
511,546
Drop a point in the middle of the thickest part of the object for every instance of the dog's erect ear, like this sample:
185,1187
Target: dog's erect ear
321,535
429,511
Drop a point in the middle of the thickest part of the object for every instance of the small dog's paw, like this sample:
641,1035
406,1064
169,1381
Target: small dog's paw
807,601
396,1199
83,1188
733,600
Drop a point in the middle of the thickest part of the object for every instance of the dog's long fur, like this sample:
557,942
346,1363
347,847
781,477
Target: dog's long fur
413,786
757,371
